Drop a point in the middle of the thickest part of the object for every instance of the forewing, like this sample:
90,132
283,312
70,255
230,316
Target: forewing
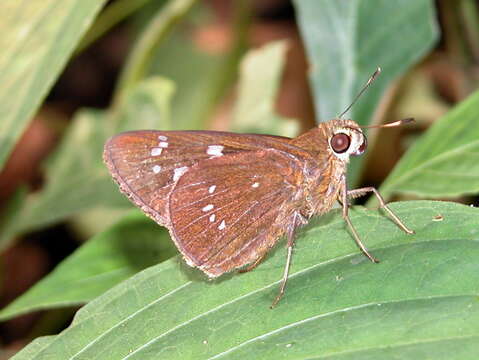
146,164
228,211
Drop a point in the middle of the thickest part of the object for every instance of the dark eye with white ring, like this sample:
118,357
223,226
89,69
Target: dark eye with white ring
340,143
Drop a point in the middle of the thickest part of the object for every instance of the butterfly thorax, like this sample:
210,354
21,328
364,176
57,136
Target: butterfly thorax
324,172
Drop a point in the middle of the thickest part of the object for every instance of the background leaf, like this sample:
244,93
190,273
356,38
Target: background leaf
154,33
444,162
77,178
195,88
112,256
34,51
421,299
207,75
347,40
260,75
115,13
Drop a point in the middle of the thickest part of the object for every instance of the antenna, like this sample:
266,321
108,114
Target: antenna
370,80
391,124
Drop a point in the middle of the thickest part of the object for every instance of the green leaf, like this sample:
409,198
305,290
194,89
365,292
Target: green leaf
77,180
74,173
38,37
193,79
155,32
112,256
347,40
260,77
113,14
444,162
207,75
76,177
148,106
421,299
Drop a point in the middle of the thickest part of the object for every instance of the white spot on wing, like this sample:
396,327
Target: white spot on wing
215,150
162,138
179,172
212,217
208,208
212,189
222,225
156,151
163,144
255,185
156,169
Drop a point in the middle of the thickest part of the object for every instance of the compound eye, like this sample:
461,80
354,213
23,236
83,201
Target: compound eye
340,143
363,146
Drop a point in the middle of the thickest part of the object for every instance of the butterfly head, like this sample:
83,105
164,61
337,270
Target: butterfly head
346,139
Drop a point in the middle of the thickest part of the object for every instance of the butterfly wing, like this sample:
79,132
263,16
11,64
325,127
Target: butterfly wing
227,212
147,164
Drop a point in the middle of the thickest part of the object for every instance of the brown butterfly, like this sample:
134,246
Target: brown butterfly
227,198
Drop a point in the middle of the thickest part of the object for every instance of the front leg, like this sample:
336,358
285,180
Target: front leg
362,191
344,202
297,221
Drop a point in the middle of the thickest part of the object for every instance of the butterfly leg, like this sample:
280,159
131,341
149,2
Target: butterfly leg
359,192
297,220
253,265
345,205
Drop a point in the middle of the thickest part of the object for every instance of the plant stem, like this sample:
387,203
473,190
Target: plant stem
139,60
468,11
111,16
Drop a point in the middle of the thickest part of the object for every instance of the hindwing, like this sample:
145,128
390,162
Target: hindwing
226,212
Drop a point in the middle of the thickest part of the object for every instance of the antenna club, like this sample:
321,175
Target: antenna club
391,124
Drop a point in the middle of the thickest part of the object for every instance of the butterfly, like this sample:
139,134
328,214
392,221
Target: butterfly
228,198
